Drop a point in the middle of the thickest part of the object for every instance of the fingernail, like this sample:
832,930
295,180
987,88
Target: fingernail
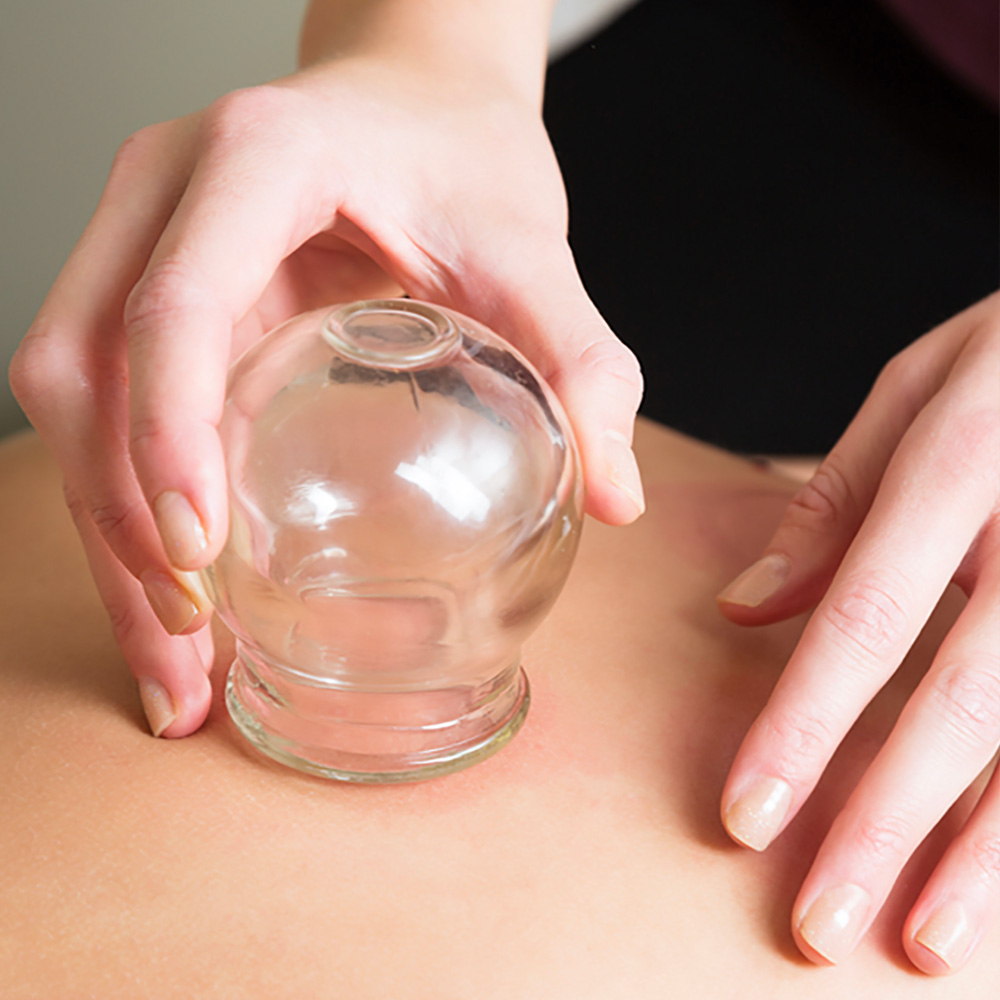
622,469
755,585
180,528
156,703
832,924
754,818
947,933
193,584
169,600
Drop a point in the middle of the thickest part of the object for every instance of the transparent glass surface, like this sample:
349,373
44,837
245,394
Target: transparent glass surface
404,507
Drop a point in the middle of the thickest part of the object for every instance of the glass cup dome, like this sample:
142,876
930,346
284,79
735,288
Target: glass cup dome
404,506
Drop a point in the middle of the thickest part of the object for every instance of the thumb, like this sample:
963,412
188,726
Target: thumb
546,313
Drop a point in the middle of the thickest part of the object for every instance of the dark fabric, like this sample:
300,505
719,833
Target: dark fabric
768,199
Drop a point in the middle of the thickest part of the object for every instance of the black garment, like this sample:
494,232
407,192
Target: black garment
769,199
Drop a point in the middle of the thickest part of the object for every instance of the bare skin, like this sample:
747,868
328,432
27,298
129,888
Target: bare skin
586,860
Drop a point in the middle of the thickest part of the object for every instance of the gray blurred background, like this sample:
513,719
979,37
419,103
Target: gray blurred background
77,78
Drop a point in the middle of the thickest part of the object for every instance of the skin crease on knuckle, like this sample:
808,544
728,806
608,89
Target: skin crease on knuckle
824,501
170,289
880,840
869,620
802,742
118,523
966,695
148,434
612,360
599,356
170,294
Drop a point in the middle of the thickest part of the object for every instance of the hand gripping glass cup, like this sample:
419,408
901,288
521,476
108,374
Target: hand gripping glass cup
404,506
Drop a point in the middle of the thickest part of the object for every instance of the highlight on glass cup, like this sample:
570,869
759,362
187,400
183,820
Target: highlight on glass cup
404,506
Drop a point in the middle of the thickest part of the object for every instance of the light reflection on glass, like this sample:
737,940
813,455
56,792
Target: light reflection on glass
446,486
315,503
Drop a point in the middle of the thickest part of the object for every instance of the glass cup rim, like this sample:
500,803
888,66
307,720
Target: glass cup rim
442,339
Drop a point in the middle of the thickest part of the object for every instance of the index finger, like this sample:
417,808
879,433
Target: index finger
240,216
924,518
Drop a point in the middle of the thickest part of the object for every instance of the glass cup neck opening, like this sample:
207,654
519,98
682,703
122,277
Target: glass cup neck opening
395,334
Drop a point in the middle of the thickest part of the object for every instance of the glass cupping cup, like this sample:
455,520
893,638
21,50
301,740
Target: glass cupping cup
404,506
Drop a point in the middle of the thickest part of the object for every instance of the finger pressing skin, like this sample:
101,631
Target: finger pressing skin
240,216
170,671
70,373
825,514
891,578
961,900
947,733
546,312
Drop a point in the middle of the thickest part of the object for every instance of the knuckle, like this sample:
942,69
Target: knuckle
869,617
804,742
134,154
898,371
969,456
968,697
231,119
983,326
610,358
884,838
51,375
169,288
823,502
150,433
116,522
35,366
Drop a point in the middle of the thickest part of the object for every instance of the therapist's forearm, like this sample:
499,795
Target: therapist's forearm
503,42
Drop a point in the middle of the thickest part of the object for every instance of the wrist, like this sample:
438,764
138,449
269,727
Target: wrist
501,44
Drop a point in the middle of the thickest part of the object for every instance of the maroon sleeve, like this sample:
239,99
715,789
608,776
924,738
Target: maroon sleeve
962,35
